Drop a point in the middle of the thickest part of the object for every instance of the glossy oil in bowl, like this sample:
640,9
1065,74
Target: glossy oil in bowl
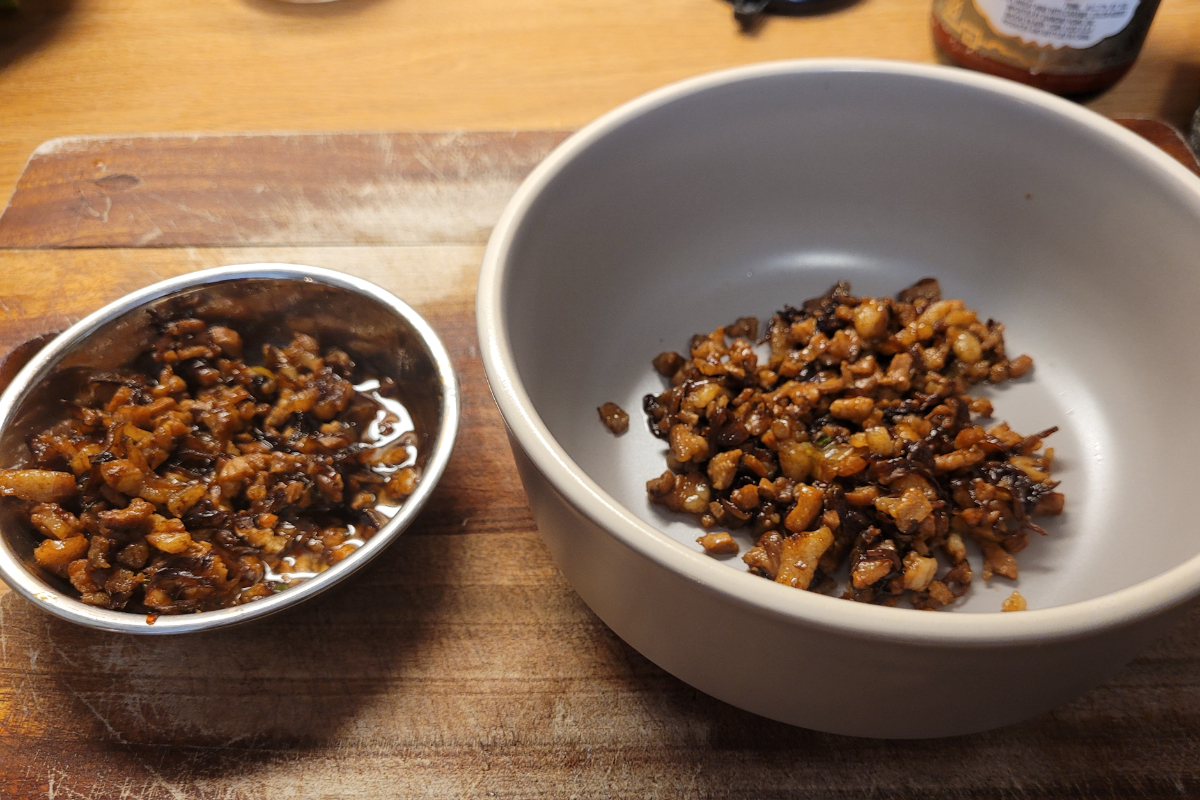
735,193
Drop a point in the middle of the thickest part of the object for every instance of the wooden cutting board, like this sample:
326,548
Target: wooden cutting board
460,663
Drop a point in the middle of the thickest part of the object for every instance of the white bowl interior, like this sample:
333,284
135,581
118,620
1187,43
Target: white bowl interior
742,197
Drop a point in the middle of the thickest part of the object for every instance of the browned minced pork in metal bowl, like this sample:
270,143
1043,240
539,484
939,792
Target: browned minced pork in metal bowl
215,482
855,449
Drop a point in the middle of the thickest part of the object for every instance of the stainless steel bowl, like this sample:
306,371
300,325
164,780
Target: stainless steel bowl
264,299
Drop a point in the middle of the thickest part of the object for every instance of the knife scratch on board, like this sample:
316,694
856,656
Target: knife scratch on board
120,183
85,209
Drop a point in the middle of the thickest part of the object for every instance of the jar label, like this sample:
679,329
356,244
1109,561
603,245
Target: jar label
1059,23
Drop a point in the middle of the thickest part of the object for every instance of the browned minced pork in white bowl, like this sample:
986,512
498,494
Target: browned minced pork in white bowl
741,193
219,446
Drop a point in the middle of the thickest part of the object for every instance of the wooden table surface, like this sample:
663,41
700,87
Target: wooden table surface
149,66
459,663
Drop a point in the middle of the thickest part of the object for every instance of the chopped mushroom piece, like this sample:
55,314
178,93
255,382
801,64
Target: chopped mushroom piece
53,520
55,554
801,555
918,571
718,543
855,445
1014,602
38,485
614,418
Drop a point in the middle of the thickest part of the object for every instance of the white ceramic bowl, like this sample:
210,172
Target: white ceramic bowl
736,192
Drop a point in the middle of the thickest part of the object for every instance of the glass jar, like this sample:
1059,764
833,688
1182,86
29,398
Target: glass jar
1062,46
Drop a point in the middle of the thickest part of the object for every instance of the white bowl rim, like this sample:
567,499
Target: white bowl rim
21,580
1123,607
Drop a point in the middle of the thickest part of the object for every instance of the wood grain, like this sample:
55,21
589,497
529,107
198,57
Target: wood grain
462,665
160,191
1166,137
206,191
459,663
88,67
